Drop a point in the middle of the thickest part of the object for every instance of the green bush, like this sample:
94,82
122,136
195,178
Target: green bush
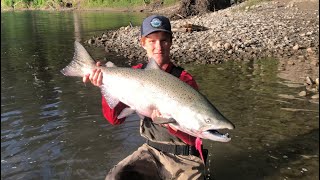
82,3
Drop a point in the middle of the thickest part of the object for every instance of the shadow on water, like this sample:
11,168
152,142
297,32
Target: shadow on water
276,134
295,158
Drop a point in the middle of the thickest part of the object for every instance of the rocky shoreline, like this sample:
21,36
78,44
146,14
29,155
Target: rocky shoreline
285,30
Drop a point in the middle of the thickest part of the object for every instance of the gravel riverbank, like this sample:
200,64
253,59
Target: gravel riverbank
284,29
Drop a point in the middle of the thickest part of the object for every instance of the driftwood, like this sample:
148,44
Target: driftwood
189,28
181,30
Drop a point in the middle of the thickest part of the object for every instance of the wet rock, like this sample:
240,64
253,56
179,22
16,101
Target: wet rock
303,93
296,47
227,46
315,62
309,50
316,96
309,33
91,41
290,62
309,81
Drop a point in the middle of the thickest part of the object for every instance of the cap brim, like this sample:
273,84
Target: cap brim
155,30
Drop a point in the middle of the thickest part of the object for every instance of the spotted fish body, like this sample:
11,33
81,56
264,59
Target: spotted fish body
145,90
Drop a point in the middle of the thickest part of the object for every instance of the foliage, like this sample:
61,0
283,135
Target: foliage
194,7
249,3
7,3
78,3
254,2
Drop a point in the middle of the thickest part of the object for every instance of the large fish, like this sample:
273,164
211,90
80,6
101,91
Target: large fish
145,90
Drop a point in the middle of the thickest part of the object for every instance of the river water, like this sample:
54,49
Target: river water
52,126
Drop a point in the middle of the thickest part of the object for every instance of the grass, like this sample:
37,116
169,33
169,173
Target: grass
254,2
39,4
250,3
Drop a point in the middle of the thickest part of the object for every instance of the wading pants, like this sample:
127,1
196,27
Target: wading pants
148,163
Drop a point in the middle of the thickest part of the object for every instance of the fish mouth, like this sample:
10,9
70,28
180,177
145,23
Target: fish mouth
215,135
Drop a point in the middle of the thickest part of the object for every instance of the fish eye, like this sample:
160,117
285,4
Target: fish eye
208,120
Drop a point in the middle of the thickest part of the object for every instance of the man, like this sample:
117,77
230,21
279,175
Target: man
168,153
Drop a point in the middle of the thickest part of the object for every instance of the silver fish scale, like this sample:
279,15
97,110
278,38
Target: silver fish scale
147,89
160,81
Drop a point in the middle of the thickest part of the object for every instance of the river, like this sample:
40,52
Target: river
52,126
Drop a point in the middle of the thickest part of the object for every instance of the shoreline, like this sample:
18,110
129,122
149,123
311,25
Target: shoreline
74,9
287,30
135,8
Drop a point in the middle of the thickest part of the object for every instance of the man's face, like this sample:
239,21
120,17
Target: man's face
158,45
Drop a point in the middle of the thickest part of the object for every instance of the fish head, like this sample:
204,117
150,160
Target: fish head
212,121
204,122
211,118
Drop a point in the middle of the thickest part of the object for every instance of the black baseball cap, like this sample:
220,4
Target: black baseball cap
155,23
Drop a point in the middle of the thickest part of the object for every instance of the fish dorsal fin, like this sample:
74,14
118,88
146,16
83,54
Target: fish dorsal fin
152,64
110,64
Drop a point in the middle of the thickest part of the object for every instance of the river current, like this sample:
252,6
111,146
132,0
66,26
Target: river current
52,126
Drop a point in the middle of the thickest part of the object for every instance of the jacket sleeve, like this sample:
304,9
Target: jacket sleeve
112,114
188,139
187,78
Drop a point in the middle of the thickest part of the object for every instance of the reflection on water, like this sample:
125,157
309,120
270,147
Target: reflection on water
52,126
273,133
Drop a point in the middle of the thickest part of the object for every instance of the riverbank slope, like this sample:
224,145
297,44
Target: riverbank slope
284,29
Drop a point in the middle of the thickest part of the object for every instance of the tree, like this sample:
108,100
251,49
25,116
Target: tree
195,7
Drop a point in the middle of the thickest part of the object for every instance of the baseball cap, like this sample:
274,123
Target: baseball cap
155,23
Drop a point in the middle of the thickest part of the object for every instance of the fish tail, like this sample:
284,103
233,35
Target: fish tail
81,63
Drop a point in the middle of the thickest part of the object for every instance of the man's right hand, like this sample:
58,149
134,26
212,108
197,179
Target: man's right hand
95,77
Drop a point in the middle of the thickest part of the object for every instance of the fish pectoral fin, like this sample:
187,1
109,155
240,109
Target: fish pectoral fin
126,112
112,101
162,120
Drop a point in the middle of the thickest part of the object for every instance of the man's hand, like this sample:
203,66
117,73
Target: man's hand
95,77
155,113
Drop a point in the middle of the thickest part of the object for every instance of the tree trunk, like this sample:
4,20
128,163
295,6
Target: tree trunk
194,7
